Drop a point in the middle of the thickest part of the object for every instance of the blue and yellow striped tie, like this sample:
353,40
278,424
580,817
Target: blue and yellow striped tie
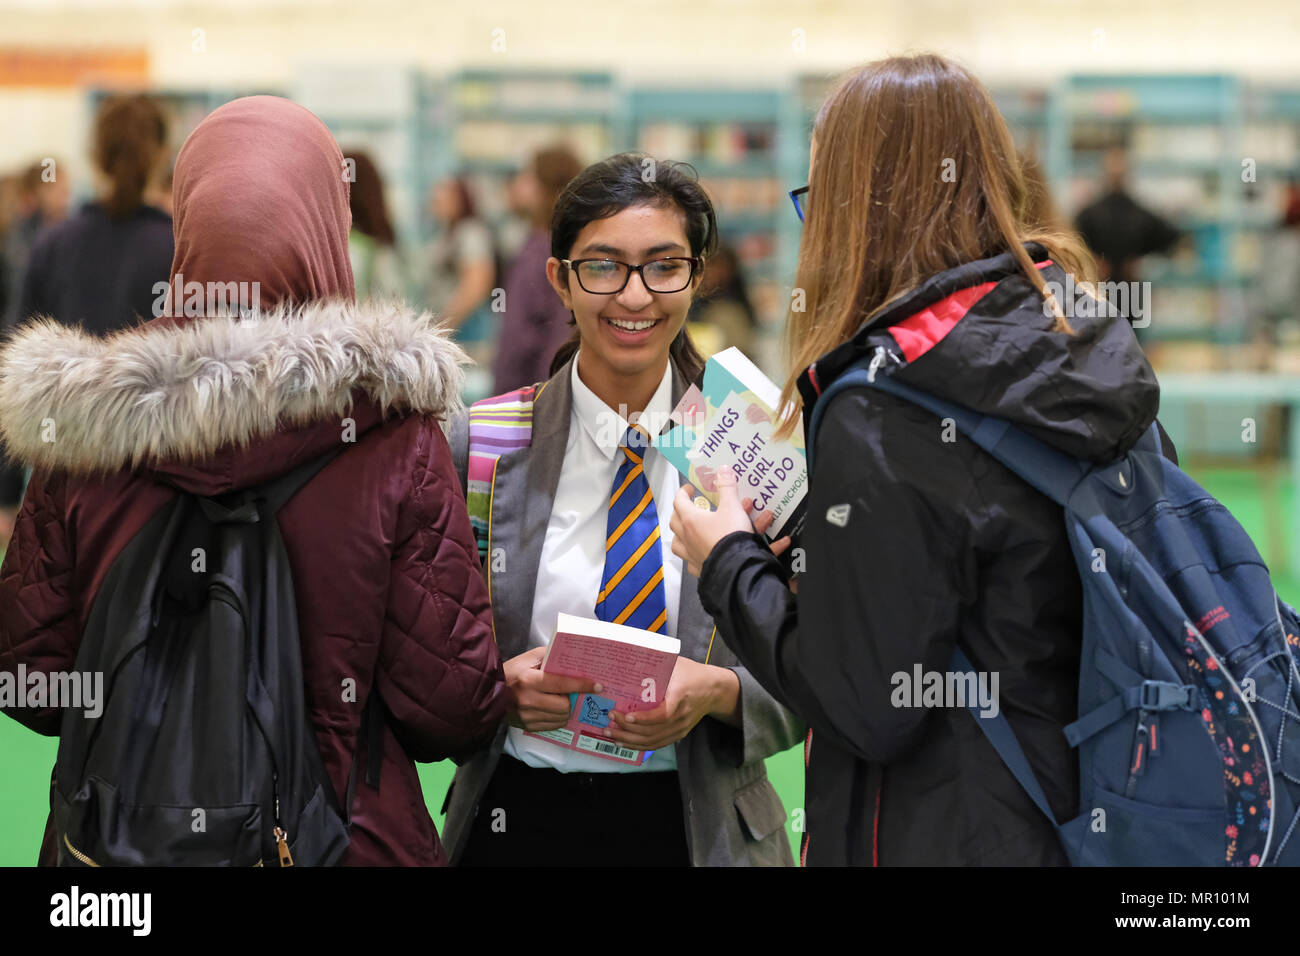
632,587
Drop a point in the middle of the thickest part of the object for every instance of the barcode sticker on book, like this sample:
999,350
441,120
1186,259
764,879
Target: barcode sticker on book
607,748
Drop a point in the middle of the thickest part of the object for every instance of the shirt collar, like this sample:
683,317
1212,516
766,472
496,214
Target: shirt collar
605,425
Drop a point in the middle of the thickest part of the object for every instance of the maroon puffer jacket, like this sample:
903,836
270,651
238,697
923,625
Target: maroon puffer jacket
384,562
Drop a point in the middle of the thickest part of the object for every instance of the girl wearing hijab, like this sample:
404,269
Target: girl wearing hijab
566,491
915,542
388,595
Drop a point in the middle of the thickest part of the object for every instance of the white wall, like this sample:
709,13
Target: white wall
745,39
687,41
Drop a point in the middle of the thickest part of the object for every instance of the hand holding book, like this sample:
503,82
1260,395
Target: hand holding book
695,691
538,700
696,530
728,420
634,669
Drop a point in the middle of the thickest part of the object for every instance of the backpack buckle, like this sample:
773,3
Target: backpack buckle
1162,695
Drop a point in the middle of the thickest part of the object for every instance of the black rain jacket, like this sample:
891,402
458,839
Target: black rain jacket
939,544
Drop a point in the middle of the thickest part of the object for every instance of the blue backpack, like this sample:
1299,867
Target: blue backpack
1188,683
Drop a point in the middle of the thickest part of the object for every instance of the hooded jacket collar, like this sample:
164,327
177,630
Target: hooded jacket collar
979,336
219,403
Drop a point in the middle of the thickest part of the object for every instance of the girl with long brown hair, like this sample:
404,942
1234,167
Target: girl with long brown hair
925,252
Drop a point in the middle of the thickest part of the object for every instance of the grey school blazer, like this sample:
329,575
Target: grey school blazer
733,814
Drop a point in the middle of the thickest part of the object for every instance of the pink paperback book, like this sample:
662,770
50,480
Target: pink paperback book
633,668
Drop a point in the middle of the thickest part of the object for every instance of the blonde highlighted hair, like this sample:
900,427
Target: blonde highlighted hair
914,173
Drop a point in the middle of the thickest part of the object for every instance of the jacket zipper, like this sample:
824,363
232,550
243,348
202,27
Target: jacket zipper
878,360
1144,739
281,837
89,862
77,853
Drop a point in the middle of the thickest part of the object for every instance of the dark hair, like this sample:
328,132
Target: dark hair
366,197
554,168
465,197
30,179
130,133
721,287
621,182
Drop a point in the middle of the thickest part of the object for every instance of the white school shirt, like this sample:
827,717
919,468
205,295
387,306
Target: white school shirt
572,565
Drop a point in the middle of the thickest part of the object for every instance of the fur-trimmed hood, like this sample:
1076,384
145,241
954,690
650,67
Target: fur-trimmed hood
178,397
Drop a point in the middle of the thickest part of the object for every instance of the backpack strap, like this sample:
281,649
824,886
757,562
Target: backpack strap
1153,696
999,733
242,507
497,426
1051,472
277,493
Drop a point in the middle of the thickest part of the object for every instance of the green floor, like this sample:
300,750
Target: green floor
1259,502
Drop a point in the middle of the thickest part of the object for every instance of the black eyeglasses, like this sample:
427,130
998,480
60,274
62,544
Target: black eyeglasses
610,276
796,198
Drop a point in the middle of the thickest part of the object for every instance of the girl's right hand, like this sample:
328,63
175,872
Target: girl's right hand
540,701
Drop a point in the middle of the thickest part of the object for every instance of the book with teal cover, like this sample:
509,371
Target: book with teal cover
728,420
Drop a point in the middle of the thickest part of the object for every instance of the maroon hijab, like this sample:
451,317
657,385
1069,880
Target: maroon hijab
261,195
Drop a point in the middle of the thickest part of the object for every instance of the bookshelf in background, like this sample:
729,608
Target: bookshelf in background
379,110
730,137
1183,138
1025,109
494,121
1268,255
497,120
803,96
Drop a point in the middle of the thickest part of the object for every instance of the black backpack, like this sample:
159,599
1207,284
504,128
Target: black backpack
202,753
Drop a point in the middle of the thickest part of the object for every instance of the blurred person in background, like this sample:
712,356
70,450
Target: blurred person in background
1279,276
722,315
97,269
462,262
11,478
40,200
8,212
535,323
372,243
514,231
1119,230
159,193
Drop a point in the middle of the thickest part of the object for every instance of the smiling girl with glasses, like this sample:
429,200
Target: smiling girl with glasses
572,508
